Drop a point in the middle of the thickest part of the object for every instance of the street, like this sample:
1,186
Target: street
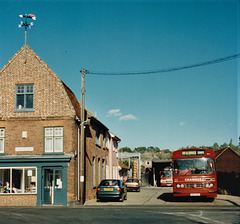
156,196
151,205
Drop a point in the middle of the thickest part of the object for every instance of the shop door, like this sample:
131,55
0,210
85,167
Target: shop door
53,190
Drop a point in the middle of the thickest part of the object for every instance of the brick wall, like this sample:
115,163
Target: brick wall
92,150
50,98
18,200
229,161
35,129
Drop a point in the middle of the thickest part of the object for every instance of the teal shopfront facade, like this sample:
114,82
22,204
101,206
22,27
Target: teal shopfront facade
43,176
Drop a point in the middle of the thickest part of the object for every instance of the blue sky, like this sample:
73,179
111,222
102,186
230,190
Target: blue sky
197,106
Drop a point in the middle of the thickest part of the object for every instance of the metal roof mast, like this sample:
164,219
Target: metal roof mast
26,25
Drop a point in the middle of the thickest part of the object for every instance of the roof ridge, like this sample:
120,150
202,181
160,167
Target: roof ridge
225,149
12,59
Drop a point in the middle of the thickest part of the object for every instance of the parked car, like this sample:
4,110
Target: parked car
109,188
133,184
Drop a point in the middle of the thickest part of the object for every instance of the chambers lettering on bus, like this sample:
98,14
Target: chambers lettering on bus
194,172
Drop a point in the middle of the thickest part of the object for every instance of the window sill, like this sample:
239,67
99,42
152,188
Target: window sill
17,193
53,153
23,110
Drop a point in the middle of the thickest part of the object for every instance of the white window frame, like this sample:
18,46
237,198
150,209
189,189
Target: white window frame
23,190
53,139
2,137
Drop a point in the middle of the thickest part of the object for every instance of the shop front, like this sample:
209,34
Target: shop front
33,180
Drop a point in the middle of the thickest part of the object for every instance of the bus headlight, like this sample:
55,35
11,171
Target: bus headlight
209,185
182,185
178,185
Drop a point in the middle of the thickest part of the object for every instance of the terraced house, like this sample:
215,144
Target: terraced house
39,137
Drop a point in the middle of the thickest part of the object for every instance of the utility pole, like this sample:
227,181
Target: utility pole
82,148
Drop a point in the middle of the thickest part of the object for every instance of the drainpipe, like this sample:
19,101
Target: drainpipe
78,166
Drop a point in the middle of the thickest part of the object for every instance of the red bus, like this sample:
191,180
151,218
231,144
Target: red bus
194,172
166,177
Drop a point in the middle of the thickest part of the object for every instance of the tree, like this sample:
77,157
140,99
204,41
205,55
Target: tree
140,149
215,146
224,145
126,163
125,149
150,149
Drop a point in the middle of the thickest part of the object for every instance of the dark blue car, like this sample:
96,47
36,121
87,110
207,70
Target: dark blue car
108,189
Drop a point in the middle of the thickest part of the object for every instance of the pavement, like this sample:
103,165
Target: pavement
153,196
235,200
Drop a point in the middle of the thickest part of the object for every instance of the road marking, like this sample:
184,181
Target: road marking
193,217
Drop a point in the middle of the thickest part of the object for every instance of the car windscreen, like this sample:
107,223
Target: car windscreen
132,180
166,174
109,183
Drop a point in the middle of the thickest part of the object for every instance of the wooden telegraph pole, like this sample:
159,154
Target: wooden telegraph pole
82,147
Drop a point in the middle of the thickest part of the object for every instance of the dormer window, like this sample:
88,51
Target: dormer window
24,97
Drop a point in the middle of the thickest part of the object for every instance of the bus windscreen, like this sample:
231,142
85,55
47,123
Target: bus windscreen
194,166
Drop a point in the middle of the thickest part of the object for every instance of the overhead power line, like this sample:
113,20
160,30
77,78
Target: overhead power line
215,61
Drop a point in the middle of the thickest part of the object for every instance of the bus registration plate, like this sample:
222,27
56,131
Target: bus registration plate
195,194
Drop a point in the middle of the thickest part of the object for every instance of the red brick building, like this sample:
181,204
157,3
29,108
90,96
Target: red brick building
39,140
228,170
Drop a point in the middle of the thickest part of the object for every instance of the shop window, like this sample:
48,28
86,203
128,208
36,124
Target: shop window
53,140
18,180
24,97
2,136
30,181
4,180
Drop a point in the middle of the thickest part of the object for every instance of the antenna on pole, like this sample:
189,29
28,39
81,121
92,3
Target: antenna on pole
26,25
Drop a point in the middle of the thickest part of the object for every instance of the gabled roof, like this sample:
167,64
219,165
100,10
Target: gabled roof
219,152
114,137
28,49
72,99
